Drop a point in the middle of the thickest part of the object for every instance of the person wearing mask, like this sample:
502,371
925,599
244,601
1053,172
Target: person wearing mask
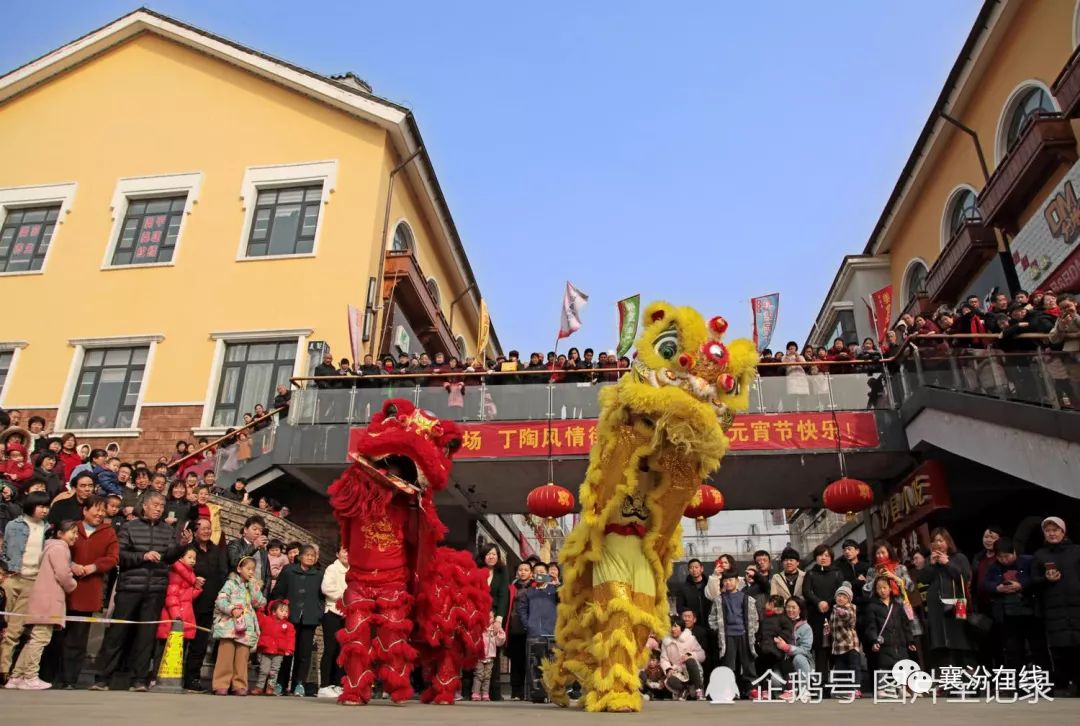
148,547
516,647
333,588
946,576
211,569
788,583
94,555
1056,577
536,609
301,584
20,559
819,589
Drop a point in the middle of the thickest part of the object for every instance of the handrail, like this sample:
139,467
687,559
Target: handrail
461,373
230,435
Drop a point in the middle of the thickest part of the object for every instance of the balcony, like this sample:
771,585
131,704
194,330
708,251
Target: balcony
1045,144
405,284
920,303
1066,88
973,245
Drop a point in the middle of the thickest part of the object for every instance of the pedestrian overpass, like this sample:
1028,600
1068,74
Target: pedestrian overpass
784,450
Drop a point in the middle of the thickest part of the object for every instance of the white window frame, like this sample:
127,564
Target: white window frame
906,295
14,347
946,214
1000,144
81,345
149,187
221,340
388,243
36,196
278,176
437,297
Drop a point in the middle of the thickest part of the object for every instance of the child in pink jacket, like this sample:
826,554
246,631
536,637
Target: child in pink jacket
47,606
494,637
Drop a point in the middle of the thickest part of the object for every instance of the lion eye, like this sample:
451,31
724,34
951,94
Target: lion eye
667,344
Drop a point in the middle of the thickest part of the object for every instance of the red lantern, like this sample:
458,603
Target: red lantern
707,501
847,496
550,501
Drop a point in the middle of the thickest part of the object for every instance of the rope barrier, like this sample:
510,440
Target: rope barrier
57,619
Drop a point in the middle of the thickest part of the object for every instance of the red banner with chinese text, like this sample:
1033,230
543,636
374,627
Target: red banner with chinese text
881,315
750,432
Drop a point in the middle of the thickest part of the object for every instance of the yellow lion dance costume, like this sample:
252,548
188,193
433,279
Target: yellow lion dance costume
661,432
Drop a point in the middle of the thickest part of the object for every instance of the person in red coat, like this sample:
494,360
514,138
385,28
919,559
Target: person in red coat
69,457
94,555
180,596
277,639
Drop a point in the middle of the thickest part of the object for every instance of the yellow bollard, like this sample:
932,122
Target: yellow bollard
171,668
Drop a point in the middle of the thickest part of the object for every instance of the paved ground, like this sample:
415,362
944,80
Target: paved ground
85,708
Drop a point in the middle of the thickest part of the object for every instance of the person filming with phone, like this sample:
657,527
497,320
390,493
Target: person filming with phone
1056,576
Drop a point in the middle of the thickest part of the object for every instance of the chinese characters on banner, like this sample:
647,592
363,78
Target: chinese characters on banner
750,432
881,312
765,309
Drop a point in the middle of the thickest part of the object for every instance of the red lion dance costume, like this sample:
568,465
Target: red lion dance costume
406,598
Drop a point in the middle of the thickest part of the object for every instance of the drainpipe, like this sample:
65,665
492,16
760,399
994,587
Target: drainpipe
1011,278
376,339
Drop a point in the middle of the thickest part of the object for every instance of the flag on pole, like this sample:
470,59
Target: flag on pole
765,309
881,311
573,301
629,308
354,334
483,331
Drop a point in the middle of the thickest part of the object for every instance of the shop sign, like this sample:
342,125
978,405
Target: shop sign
909,504
1050,236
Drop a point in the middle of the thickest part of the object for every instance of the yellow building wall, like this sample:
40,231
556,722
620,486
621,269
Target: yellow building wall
151,107
1035,45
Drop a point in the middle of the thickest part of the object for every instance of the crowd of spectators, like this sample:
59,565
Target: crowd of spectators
774,627
82,531
442,370
990,351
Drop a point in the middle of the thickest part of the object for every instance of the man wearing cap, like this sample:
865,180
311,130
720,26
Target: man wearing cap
789,581
1056,576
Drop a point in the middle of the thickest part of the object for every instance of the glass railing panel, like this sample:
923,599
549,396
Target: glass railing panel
793,393
576,400
516,401
452,400
858,391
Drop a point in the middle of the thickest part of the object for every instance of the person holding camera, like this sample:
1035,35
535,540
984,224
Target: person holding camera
536,610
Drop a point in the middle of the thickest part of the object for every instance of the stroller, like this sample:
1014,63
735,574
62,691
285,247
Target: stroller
537,651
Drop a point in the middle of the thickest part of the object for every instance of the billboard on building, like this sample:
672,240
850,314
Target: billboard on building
1049,241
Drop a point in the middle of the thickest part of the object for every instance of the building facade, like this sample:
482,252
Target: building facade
191,221
985,203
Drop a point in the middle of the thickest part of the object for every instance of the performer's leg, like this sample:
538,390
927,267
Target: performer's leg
390,644
355,639
444,676
619,655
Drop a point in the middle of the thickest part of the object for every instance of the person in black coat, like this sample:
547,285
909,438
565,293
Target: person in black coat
326,369
886,630
1056,576
854,571
212,565
691,594
301,584
148,547
252,543
774,624
45,471
819,589
946,577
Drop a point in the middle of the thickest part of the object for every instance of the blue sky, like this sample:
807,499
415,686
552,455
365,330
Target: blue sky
700,152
